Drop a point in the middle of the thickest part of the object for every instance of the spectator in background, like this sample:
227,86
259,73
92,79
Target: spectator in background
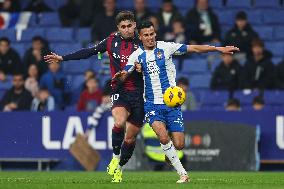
258,72
3,77
17,98
279,80
43,101
54,80
88,10
104,23
227,74
258,103
155,22
10,61
31,83
177,33
35,55
233,104
38,6
190,101
68,13
203,24
141,11
91,97
167,15
10,6
241,35
87,75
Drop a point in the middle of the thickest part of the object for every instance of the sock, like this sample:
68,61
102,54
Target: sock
117,139
171,153
126,153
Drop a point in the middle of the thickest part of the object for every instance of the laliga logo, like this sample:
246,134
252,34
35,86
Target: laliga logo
280,132
198,140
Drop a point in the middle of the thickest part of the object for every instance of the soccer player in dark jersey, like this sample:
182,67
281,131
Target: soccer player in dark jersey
127,99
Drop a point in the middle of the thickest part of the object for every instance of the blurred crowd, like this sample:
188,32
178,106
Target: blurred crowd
38,86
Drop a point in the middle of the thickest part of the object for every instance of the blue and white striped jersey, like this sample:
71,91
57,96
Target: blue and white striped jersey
158,68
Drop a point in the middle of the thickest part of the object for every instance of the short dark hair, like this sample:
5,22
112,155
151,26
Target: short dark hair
258,100
6,39
16,73
124,15
241,15
234,102
183,81
144,24
37,38
257,42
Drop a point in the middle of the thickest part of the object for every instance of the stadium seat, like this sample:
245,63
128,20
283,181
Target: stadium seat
75,81
276,60
255,17
76,66
215,98
274,97
65,48
2,92
245,98
125,4
266,4
194,66
21,48
9,33
5,85
278,32
265,32
238,4
29,33
277,48
83,34
226,17
273,17
184,5
49,19
216,3
154,4
55,4
200,81
60,35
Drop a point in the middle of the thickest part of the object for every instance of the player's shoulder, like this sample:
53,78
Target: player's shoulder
164,44
137,52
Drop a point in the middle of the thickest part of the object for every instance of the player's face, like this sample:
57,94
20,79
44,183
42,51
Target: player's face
127,28
148,37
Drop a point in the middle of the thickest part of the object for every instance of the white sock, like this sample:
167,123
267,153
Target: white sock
171,153
116,156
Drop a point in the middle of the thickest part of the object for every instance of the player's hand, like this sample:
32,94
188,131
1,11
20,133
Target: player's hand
120,75
138,67
228,49
53,58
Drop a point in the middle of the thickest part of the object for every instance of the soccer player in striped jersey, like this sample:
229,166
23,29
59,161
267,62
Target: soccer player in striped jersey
154,58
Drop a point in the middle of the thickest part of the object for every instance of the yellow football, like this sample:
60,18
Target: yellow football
174,96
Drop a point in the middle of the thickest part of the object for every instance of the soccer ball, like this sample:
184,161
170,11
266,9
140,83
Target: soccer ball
174,96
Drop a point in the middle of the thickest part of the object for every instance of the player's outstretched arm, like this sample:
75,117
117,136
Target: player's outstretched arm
208,48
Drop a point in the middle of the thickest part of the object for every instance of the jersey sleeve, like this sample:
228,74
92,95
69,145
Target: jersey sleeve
87,52
176,48
130,66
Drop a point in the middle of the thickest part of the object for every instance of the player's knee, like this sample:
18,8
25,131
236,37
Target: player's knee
120,123
179,145
164,140
130,140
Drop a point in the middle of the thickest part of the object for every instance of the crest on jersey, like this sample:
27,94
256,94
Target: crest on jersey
159,55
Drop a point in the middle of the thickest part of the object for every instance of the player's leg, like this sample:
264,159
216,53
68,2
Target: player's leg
167,146
120,115
178,140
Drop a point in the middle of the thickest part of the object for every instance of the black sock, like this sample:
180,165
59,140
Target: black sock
117,139
126,153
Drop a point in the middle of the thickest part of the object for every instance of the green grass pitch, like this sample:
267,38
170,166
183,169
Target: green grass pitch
140,180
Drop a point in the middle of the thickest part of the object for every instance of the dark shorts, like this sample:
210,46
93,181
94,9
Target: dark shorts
133,103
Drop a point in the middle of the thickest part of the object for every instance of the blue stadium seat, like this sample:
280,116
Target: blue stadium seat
215,98
279,32
154,4
65,48
276,60
49,19
55,4
21,48
59,35
75,81
76,66
216,3
277,48
2,92
255,16
83,34
184,5
245,98
274,97
265,32
273,17
200,81
238,3
9,33
29,33
266,4
206,107
5,85
125,4
194,66
226,17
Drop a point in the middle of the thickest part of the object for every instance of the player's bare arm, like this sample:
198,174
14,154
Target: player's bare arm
53,58
209,48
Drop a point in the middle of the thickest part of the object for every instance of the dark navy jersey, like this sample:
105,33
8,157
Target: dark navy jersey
119,50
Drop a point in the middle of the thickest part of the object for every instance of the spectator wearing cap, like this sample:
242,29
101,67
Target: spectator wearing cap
258,103
202,23
242,34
